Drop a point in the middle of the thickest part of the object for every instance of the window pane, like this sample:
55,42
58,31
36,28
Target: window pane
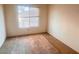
24,22
23,11
28,16
26,11
34,21
34,11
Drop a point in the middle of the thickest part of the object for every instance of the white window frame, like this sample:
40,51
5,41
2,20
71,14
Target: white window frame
38,16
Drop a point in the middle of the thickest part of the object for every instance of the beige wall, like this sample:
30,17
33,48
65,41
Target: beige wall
12,21
2,26
64,24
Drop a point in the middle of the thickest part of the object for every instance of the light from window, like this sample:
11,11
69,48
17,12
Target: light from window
28,16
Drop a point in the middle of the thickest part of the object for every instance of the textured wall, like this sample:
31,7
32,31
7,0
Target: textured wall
64,24
2,26
12,21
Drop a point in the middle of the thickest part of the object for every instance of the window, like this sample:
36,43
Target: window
28,16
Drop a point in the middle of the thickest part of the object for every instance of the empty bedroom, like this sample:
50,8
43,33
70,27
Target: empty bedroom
39,29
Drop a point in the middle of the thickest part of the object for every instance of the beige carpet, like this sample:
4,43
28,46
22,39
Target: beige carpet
32,44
